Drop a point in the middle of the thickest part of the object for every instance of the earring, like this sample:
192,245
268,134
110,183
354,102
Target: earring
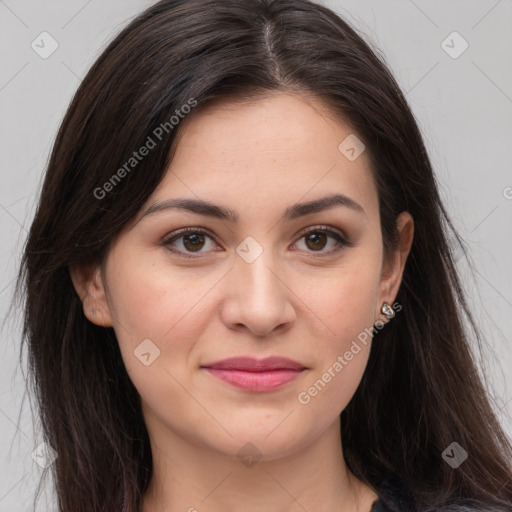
387,310
92,312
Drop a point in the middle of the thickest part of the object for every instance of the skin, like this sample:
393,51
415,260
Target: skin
297,300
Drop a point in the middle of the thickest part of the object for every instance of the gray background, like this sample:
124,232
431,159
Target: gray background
463,106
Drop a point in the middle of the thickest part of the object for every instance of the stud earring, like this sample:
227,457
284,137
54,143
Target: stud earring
92,312
387,310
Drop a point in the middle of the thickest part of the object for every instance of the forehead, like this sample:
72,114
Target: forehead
279,148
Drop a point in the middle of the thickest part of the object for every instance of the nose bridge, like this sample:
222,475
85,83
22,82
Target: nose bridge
255,267
260,295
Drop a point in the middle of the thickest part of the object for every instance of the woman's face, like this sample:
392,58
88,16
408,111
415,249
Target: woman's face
254,286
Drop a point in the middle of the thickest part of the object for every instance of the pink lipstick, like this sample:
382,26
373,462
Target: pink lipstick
256,375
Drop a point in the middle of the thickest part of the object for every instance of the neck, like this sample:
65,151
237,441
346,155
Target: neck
197,478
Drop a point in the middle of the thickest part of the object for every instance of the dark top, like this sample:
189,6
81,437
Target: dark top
380,506
393,499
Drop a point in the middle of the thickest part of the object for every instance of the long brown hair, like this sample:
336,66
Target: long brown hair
421,390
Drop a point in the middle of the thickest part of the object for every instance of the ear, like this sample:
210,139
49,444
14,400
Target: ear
393,268
90,287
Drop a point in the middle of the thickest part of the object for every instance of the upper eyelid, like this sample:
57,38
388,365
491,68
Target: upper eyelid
183,231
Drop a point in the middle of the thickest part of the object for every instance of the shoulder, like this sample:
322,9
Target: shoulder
471,508
466,508
394,497
396,504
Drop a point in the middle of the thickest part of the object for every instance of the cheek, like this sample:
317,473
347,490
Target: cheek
150,299
343,354
152,303
345,298
347,306
329,391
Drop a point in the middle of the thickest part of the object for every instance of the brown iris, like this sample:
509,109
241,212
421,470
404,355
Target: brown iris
317,238
193,242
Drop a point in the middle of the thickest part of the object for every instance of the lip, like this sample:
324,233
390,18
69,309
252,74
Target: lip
256,374
250,364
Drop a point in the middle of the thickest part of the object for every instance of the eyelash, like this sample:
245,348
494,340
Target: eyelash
342,242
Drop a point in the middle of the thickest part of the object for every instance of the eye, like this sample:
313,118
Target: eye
316,239
192,240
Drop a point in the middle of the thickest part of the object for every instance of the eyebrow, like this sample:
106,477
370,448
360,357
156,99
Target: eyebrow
292,212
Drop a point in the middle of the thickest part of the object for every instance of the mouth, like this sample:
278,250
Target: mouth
256,375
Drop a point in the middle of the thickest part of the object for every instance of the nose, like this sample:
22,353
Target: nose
258,297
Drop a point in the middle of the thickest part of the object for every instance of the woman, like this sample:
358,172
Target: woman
200,340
